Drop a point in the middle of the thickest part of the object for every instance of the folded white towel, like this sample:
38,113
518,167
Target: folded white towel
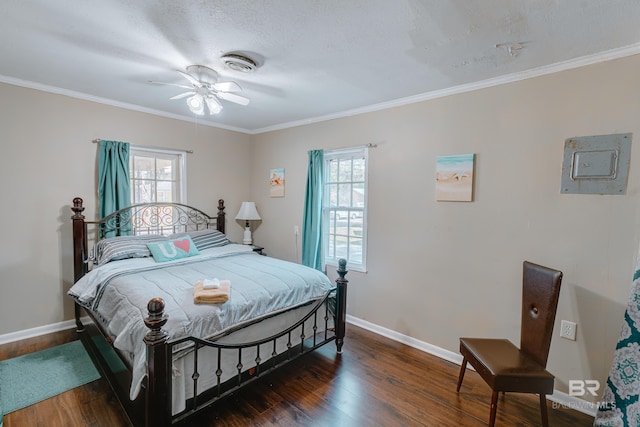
211,283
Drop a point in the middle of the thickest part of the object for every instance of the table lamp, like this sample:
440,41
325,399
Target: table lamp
248,212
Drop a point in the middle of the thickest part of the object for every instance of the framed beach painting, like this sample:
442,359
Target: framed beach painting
276,182
454,178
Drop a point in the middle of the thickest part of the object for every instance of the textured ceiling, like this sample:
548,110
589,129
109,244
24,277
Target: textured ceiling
317,59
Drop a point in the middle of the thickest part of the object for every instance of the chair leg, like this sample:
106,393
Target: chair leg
494,408
543,410
463,368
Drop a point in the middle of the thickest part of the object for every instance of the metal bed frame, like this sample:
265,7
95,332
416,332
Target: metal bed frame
153,405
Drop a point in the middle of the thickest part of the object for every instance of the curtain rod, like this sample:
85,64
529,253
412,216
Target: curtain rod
354,147
95,141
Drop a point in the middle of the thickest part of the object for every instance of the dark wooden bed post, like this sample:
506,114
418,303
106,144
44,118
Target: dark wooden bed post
341,304
79,251
220,222
79,239
157,407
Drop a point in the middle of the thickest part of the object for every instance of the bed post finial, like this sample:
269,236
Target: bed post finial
342,269
155,321
341,303
156,412
77,208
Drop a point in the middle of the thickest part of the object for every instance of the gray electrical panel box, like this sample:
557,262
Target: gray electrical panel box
596,164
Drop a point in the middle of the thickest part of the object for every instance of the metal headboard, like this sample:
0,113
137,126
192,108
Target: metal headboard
153,218
139,219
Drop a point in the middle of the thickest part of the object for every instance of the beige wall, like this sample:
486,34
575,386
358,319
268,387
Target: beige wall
441,270
48,159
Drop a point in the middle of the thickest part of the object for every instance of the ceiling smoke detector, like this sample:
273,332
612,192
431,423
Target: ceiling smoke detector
238,62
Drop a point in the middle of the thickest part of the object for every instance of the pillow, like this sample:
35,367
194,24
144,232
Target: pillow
205,239
168,250
122,247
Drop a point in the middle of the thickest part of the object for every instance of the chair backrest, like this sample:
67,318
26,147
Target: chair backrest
540,294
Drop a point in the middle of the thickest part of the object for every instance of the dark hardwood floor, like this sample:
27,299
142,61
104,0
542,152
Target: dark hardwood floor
375,382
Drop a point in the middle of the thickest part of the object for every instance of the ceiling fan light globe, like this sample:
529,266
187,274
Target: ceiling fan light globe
214,106
194,102
196,105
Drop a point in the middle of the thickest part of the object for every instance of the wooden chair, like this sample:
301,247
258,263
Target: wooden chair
507,368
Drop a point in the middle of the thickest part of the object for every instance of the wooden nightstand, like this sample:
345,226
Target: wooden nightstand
258,249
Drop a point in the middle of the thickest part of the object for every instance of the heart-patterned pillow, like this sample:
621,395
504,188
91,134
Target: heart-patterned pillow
168,250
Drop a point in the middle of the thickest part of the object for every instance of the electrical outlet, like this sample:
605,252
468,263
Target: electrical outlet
568,330
295,230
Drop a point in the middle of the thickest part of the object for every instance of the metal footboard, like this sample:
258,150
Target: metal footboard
300,338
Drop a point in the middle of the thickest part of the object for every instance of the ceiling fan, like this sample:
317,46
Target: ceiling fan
206,89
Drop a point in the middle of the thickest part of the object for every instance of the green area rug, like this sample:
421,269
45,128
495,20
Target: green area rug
34,377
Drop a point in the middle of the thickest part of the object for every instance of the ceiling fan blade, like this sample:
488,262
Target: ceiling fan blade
183,95
227,87
232,97
171,84
191,79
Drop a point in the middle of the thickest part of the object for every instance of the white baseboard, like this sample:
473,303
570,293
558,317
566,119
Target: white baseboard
411,342
559,398
40,330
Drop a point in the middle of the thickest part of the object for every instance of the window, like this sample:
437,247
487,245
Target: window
344,207
157,175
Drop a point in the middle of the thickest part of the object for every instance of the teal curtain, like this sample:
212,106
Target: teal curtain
312,219
114,190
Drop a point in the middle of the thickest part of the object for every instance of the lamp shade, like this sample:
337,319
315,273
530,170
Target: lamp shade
248,212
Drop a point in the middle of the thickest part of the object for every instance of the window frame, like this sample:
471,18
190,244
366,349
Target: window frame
345,153
161,153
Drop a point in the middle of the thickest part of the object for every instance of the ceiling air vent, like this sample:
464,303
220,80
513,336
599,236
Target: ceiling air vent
237,62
